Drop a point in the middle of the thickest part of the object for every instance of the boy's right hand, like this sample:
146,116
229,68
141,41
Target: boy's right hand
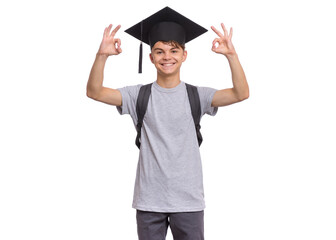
110,45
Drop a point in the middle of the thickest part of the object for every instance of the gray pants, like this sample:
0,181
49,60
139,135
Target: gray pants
184,225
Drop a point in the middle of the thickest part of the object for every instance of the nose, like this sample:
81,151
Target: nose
167,56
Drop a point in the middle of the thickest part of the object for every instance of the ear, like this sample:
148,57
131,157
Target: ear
185,54
151,58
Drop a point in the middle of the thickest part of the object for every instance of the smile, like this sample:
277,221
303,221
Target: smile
167,64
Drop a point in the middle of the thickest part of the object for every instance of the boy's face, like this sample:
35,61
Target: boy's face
167,58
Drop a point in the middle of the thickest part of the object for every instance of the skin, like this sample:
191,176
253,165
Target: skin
168,61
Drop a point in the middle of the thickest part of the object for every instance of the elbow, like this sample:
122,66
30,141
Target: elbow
91,95
243,96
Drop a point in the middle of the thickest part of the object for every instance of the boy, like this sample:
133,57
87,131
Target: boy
169,182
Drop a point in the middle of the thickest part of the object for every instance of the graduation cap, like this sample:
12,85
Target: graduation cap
165,25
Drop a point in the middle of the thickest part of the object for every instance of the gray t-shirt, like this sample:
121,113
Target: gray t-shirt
169,174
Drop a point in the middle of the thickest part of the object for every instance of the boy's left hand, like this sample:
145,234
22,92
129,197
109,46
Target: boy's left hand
224,43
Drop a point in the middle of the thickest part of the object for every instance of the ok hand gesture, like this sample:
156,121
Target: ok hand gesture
224,44
110,45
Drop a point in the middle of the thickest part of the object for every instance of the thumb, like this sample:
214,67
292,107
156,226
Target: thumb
214,48
118,44
215,44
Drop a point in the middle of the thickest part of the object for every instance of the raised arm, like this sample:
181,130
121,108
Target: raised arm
240,90
95,89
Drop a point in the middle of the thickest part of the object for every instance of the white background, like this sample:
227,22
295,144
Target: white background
68,163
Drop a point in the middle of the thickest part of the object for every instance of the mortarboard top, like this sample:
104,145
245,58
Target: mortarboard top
165,25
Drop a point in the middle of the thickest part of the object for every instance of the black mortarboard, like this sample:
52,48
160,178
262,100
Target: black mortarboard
165,25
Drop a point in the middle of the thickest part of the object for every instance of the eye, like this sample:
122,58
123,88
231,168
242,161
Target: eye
158,52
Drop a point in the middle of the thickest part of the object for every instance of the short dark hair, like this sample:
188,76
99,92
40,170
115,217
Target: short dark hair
174,44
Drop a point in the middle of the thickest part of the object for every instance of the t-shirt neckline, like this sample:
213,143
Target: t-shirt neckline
167,90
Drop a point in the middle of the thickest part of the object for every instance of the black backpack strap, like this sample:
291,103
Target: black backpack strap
195,106
141,107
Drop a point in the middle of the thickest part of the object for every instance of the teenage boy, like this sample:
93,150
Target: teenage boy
169,183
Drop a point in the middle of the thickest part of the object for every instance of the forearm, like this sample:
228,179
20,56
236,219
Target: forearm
240,85
95,82
240,91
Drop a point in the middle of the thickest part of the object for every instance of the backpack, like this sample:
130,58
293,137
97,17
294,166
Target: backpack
142,102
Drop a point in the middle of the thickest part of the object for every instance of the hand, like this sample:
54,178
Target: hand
110,45
224,42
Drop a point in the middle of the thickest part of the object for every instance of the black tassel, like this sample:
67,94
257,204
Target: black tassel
140,59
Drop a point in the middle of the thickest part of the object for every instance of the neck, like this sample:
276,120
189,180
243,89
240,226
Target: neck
168,81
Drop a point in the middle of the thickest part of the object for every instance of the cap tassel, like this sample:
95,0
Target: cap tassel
140,51
140,58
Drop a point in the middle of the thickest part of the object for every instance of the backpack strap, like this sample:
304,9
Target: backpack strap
141,107
142,102
195,106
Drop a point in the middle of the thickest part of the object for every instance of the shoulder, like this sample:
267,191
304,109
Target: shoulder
204,92
130,91
206,95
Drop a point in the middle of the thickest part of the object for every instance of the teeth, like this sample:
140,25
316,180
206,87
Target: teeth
168,64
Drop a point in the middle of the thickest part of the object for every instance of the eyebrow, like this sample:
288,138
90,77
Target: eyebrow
160,49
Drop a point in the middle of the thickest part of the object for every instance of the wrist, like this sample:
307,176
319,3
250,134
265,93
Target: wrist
231,56
102,56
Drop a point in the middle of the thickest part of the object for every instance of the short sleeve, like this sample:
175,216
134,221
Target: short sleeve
206,95
129,96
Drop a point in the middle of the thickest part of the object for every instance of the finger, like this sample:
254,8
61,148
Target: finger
107,30
118,42
214,48
217,32
217,40
115,30
224,29
215,44
231,32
